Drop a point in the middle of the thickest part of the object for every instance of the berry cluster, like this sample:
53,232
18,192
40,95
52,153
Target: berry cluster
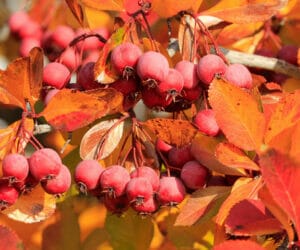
21,174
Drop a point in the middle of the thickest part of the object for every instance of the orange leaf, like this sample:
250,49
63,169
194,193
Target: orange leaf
203,149
281,175
238,244
237,113
232,156
243,11
69,110
199,204
113,5
22,80
76,9
9,239
168,8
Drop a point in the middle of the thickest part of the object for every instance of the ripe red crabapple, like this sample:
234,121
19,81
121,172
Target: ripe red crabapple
70,59
193,94
114,179
206,122
189,72
85,77
8,196
49,95
193,175
60,183
87,175
148,173
238,75
15,167
152,67
147,207
155,100
32,29
44,163
91,42
56,75
173,84
17,21
289,53
179,156
171,191
209,66
28,44
61,36
125,86
124,58
116,205
138,190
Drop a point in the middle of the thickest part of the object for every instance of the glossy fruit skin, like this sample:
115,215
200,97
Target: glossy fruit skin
113,180
44,163
289,54
206,122
238,75
147,207
15,166
56,75
125,56
171,191
189,72
173,84
138,190
209,66
87,174
179,156
8,196
85,77
149,173
152,66
193,175
60,183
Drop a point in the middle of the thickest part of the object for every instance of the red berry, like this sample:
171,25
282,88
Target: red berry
162,146
148,173
138,190
60,183
15,166
209,66
49,95
28,44
32,29
8,196
289,53
152,67
116,205
125,86
85,77
61,37
171,191
147,207
193,94
238,75
189,72
179,156
70,59
114,179
155,100
206,122
173,84
44,164
125,57
193,175
87,175
56,75
91,56
17,21
91,42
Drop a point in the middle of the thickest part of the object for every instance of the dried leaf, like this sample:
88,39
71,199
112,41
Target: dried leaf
238,244
9,240
237,113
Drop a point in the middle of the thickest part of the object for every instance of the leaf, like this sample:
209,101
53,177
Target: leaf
96,239
244,11
241,190
169,8
199,203
33,207
175,132
9,240
76,9
203,149
237,113
250,217
97,18
69,110
281,175
101,140
238,244
232,156
129,231
113,5
22,80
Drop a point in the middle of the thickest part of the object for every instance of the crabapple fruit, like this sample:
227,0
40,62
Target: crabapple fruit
162,146
289,53
179,156
62,36
138,190
149,173
125,86
17,21
147,207
85,77
173,84
193,175
188,71
238,75
155,100
116,205
8,196
51,93
27,44
56,75
91,42
206,122
15,167
32,29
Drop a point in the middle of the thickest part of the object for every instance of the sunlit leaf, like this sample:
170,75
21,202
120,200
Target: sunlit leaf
168,8
238,244
9,240
97,18
199,203
114,5
237,113
76,9
232,156
281,175
244,11
204,148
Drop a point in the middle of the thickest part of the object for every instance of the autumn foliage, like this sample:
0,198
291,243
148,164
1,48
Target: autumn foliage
154,124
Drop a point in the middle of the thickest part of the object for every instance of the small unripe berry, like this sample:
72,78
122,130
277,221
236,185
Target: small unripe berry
8,196
193,175
56,75
206,122
238,75
189,72
15,167
138,190
148,173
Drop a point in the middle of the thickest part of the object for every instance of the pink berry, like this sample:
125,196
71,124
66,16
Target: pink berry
51,93
206,122
91,56
189,72
62,36
173,84
44,164
17,21
8,196
149,173
85,77
171,191
116,205
193,175
138,190
32,29
147,207
152,67
124,58
162,146
60,183
15,167
209,66
114,179
238,75
56,75
289,53
70,59
91,42
87,175
155,100
179,156
28,44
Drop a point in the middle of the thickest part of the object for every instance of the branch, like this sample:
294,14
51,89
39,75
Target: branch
42,129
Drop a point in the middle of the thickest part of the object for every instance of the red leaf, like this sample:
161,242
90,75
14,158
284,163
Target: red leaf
237,113
282,175
199,204
9,240
238,244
